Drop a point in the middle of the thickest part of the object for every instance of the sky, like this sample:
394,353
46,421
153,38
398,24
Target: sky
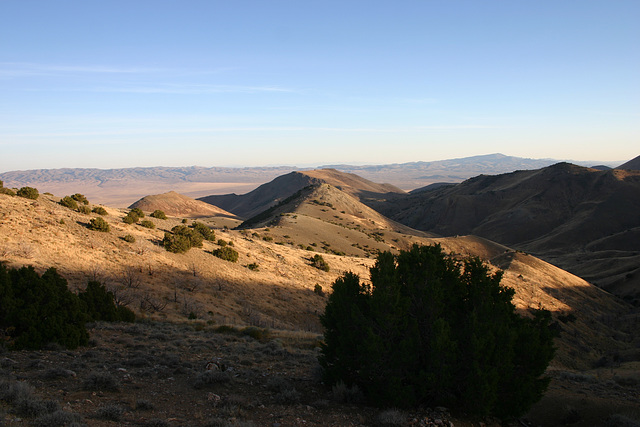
112,84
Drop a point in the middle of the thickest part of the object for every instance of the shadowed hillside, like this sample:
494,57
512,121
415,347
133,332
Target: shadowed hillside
633,164
581,219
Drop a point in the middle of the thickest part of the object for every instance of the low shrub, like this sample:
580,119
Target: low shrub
84,209
100,211
137,212
253,266
80,198
100,381
28,193
37,310
158,214
130,218
147,224
176,243
7,191
129,238
256,333
100,304
226,253
99,224
318,262
69,202
206,232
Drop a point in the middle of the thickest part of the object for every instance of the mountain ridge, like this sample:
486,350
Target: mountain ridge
121,187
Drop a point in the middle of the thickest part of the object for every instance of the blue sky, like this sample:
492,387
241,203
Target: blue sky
112,84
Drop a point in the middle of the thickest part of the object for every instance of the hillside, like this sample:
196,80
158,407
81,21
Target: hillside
583,220
633,164
273,192
174,204
273,285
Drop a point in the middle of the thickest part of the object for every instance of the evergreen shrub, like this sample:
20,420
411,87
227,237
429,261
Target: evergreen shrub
434,331
204,230
100,211
100,304
318,262
80,198
226,253
147,224
69,202
99,224
28,193
37,310
158,214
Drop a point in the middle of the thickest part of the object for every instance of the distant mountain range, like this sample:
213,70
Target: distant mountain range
121,187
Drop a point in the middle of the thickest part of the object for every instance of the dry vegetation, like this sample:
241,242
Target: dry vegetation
152,372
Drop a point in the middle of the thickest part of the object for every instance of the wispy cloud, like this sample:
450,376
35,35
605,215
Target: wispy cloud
188,89
16,69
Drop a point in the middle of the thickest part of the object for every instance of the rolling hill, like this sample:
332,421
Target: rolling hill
174,204
273,192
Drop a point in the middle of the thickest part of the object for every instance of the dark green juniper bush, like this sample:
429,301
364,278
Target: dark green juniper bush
434,331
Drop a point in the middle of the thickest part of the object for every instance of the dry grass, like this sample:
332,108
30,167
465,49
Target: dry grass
600,338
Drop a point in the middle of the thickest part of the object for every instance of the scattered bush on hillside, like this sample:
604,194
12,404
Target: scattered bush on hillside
99,224
147,224
37,310
158,214
195,237
130,218
206,232
129,238
318,262
69,202
84,209
176,243
80,198
100,304
253,266
28,193
137,212
226,253
100,211
222,243
317,289
434,331
7,191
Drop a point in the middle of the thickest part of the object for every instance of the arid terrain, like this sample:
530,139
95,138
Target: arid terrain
122,187
259,315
